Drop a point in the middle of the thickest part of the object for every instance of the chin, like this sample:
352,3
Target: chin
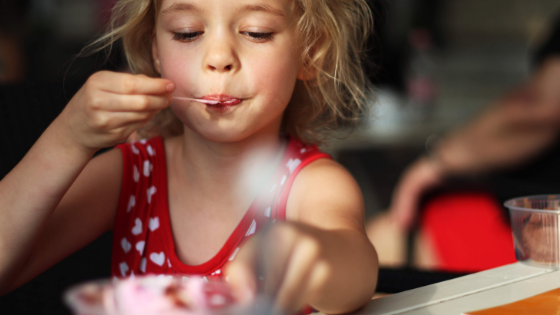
220,135
213,131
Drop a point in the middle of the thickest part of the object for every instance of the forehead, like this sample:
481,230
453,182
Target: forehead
274,7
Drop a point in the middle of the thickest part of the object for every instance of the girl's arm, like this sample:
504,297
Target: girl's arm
322,257
42,231
51,203
328,200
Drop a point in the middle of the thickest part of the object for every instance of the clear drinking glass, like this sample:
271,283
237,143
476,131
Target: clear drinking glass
534,224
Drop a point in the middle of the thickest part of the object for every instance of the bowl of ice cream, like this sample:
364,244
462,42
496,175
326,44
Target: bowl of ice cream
150,295
534,224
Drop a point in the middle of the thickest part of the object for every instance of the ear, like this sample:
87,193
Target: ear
155,55
306,72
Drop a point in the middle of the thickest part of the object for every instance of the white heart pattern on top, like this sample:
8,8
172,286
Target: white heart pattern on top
126,246
143,262
158,259
292,164
137,229
148,167
124,268
233,254
140,247
150,150
154,224
151,191
131,203
252,228
134,149
136,174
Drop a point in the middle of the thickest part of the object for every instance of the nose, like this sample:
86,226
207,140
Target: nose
221,56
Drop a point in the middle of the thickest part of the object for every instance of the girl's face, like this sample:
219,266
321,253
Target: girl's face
242,52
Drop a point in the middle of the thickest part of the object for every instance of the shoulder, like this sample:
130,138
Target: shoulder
325,193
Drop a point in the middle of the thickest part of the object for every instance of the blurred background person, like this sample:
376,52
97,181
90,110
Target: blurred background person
511,149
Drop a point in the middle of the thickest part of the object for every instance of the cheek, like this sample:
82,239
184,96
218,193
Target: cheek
275,76
181,110
180,66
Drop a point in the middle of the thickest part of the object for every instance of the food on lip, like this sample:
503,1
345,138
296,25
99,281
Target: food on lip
222,98
211,100
150,295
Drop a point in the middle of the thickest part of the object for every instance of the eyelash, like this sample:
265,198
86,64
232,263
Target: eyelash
259,36
187,37
191,36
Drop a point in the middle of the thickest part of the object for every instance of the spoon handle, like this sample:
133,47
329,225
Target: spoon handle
210,102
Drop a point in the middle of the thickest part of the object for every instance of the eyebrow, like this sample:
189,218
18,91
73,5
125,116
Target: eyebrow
179,7
261,8
185,6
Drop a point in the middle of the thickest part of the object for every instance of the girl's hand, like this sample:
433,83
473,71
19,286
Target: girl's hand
290,257
110,107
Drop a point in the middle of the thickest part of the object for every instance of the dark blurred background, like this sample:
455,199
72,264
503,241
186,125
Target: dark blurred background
435,64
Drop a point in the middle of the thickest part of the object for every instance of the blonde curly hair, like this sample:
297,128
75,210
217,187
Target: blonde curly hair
332,36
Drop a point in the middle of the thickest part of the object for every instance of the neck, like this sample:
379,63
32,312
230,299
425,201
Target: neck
227,172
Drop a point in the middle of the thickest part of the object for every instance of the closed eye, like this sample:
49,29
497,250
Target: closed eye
261,37
187,37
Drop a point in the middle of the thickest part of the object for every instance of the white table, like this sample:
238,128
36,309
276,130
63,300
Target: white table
481,290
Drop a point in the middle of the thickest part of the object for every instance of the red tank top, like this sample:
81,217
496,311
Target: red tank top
142,236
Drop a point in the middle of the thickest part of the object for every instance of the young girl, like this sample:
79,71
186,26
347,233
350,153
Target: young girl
251,85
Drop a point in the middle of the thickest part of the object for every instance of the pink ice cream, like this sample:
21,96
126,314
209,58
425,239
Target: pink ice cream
150,295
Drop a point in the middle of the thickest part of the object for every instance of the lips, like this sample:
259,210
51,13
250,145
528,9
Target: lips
222,99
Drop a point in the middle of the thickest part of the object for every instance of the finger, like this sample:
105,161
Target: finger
111,121
125,83
405,202
130,128
240,273
134,103
296,283
130,118
273,255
